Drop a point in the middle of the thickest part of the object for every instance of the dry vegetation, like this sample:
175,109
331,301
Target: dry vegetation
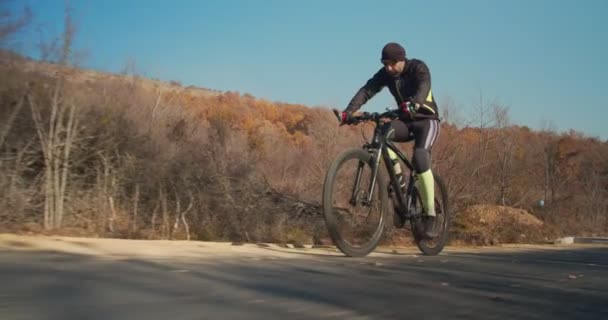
115,156
96,154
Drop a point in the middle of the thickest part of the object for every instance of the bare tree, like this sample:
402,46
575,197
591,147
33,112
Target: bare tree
180,216
135,207
57,133
596,200
165,226
10,22
505,142
550,148
56,139
483,123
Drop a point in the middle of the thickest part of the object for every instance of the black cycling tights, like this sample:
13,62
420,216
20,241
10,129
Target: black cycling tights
424,132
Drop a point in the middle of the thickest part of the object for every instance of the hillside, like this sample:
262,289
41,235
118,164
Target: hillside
11,60
124,156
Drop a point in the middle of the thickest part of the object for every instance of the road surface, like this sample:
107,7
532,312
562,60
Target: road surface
78,278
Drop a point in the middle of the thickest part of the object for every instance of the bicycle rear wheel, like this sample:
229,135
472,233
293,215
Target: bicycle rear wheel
355,224
434,246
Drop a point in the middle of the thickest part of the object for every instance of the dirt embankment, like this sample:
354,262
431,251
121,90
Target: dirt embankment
492,225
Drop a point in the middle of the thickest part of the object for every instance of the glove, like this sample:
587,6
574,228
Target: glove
410,108
344,117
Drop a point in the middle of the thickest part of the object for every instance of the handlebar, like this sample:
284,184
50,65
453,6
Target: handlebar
359,117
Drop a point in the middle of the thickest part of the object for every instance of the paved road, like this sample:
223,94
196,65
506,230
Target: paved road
272,283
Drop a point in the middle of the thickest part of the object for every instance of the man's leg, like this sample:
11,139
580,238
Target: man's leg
426,132
426,185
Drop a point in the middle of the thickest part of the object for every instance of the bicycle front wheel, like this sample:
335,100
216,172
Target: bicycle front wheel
355,219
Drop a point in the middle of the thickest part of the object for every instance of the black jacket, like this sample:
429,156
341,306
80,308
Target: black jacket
412,85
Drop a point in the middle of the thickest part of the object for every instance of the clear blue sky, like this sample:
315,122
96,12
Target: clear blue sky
545,60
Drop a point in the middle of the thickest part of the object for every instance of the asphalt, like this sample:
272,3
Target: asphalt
529,282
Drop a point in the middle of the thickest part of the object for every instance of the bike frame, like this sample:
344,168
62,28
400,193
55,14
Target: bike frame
379,149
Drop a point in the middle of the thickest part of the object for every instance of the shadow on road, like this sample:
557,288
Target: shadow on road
544,284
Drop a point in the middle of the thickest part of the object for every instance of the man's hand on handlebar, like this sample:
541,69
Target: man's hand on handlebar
344,117
349,118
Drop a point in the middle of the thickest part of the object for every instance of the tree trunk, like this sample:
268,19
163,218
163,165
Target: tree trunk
71,131
165,227
177,215
135,205
113,214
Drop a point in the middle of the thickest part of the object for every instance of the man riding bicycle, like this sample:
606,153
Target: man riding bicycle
409,81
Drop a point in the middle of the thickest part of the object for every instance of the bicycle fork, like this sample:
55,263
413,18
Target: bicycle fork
370,192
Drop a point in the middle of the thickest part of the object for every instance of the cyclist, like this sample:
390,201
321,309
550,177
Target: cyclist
409,81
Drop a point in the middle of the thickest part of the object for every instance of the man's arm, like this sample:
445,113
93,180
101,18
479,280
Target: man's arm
422,98
373,86
424,83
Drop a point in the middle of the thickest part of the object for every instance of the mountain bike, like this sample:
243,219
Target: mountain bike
356,196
